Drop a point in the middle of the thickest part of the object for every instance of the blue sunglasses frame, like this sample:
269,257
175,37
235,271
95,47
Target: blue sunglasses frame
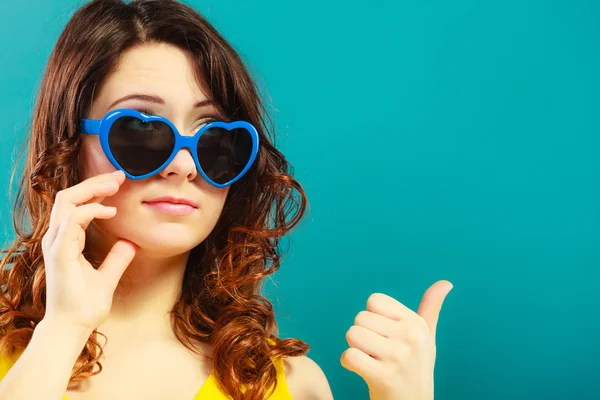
102,128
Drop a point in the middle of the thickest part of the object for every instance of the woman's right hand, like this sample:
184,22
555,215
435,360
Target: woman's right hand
77,294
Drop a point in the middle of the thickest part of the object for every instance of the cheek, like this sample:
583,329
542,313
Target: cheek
127,198
214,202
92,159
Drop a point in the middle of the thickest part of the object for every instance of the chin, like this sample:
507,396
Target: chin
159,239
160,247
168,237
163,239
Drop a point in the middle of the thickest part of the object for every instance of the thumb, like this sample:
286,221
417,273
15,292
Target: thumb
432,301
118,259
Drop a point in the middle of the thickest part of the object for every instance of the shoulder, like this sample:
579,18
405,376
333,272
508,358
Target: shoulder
306,380
7,361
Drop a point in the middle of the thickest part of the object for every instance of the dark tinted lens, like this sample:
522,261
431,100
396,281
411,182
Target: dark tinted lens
224,154
140,147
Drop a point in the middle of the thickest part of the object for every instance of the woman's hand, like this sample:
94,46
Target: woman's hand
78,295
393,348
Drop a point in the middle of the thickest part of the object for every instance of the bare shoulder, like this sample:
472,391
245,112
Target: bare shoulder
306,380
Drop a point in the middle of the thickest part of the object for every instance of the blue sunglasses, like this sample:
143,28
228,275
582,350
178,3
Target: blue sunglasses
142,145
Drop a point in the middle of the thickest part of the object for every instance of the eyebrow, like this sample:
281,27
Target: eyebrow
157,100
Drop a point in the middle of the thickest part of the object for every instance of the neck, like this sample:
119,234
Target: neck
149,287
146,293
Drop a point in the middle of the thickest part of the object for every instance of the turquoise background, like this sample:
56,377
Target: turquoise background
435,140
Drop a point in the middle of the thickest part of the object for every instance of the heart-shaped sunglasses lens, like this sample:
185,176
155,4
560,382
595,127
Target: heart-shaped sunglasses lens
223,154
140,147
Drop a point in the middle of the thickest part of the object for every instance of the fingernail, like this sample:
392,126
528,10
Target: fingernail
117,173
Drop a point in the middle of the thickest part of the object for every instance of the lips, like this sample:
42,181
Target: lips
173,200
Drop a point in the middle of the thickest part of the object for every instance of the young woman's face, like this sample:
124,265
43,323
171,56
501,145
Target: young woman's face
163,72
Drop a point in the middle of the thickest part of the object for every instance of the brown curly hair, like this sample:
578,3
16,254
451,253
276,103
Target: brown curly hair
220,302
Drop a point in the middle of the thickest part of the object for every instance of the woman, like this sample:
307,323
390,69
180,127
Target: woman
156,202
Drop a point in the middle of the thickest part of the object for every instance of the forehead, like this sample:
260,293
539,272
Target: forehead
156,69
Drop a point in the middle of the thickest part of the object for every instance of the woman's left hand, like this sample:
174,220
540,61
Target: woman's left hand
393,348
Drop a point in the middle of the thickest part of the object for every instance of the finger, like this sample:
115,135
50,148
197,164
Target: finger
120,178
68,243
97,187
431,303
387,306
116,262
87,190
70,198
370,369
377,323
368,342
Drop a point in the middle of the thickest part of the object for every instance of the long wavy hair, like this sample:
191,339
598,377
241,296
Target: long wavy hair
220,303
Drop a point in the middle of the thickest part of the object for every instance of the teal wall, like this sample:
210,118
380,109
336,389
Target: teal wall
436,140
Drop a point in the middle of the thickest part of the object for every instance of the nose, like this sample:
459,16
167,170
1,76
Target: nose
182,166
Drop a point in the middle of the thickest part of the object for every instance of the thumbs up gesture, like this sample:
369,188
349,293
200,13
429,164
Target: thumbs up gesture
393,348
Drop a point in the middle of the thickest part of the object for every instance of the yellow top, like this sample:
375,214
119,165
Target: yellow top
209,390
